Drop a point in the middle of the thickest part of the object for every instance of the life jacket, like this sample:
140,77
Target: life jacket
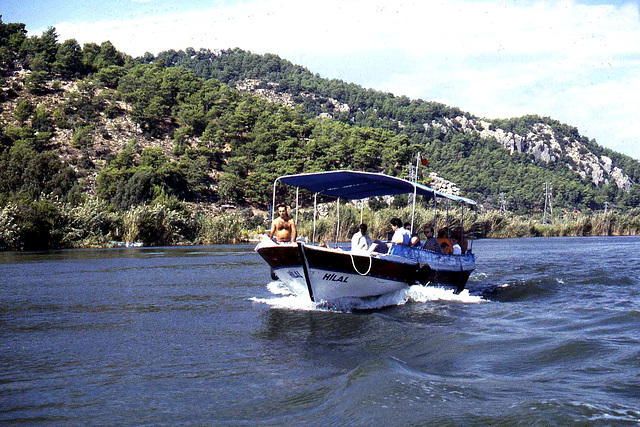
446,245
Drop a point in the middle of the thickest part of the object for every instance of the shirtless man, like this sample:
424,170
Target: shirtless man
283,227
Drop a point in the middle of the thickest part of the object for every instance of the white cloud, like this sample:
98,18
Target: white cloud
574,62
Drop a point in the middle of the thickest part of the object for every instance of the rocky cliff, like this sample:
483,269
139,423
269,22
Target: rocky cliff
545,145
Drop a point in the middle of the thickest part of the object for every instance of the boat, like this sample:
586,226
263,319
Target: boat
328,274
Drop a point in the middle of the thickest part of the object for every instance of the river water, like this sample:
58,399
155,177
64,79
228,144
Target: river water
548,334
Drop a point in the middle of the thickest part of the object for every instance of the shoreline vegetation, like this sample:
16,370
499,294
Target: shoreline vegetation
51,224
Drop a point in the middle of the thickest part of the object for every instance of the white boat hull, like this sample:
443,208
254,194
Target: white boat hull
326,274
330,285
292,277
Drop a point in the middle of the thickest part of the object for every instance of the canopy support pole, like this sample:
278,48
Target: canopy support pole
462,226
415,191
473,236
435,215
273,205
337,220
413,211
315,210
448,223
297,193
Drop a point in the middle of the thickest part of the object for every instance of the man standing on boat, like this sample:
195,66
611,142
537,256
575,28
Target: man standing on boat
283,227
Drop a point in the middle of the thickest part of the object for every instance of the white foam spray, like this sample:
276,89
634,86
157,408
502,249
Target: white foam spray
433,293
286,299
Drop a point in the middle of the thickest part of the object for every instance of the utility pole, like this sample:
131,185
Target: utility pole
548,206
413,173
413,177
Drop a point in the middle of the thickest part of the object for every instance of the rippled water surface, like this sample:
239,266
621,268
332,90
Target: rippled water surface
548,334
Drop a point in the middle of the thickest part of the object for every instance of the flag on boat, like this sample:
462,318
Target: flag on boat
424,160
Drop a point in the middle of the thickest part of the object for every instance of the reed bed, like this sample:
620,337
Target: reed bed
50,224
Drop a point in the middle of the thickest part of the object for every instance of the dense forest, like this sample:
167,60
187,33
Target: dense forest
97,146
481,167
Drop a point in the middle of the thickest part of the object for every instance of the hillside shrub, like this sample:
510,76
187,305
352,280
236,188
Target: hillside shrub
10,230
91,224
30,225
23,110
221,229
156,225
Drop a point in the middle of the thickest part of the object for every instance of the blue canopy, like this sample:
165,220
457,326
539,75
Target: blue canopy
359,185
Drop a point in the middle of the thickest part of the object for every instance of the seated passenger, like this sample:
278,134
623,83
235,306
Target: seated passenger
400,237
361,242
414,239
458,233
431,244
445,245
456,249
443,233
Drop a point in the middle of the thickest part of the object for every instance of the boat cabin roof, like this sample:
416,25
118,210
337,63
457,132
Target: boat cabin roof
352,185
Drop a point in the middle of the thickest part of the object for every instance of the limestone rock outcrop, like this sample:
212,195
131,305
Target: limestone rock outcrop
545,146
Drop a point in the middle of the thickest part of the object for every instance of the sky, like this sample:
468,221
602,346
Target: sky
576,61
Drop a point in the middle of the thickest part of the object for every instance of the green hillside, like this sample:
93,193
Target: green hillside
96,146
481,167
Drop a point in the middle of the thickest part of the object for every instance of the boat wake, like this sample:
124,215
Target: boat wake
433,293
284,298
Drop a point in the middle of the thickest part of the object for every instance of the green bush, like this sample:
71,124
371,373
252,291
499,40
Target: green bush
23,110
221,229
30,225
36,81
157,225
91,224
83,136
10,230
